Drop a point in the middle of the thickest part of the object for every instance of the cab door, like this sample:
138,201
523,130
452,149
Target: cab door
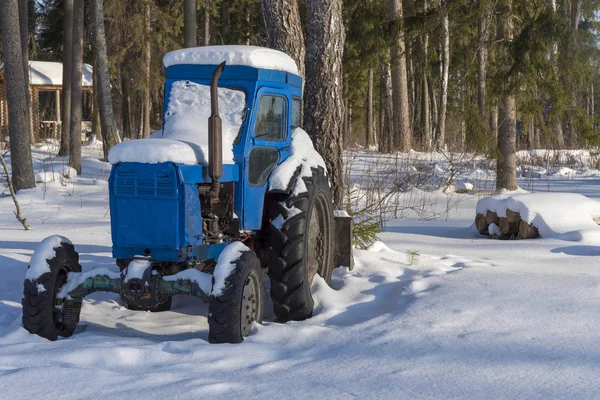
269,144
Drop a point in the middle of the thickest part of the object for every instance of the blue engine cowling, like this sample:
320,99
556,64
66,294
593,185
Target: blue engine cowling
148,204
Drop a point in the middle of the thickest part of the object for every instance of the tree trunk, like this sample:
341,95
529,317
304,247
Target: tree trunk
482,66
426,137
284,29
66,78
507,133
147,64
225,18
575,9
440,137
324,110
76,87
24,33
110,134
387,106
189,23
402,134
126,107
18,123
555,119
206,30
370,137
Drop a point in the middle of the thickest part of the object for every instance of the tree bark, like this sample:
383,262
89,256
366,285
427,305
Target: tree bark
66,78
482,66
506,177
76,87
440,137
284,29
110,134
206,30
324,108
18,123
147,64
370,137
402,134
126,107
24,33
555,119
387,105
189,23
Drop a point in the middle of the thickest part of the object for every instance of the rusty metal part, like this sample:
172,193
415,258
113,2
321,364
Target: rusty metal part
215,138
147,292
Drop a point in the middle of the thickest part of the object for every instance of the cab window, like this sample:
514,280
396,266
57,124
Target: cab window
271,118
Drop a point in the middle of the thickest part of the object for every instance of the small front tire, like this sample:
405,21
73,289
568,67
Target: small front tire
43,313
232,312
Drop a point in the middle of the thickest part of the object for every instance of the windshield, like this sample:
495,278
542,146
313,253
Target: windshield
186,117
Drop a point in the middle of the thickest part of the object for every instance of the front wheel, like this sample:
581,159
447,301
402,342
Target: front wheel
43,312
236,300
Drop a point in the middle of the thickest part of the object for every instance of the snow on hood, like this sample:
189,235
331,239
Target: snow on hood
184,139
250,56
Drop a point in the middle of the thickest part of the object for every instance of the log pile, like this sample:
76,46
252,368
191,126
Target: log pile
505,228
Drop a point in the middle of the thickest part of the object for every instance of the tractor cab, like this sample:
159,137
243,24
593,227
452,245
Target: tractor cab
166,178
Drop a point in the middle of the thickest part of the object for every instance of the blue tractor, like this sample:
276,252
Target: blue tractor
231,190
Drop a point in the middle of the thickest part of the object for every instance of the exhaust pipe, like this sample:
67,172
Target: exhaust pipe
215,137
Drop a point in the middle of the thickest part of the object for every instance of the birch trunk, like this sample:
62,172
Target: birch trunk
440,139
402,134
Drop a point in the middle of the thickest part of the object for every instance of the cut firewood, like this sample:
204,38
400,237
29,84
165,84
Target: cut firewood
527,231
491,217
481,224
508,227
513,216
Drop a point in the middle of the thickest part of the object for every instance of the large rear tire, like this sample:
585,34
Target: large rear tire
300,246
43,313
232,312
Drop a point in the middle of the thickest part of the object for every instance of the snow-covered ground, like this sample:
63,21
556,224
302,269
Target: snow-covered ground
434,310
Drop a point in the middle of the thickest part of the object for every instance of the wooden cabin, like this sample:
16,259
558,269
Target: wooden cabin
45,87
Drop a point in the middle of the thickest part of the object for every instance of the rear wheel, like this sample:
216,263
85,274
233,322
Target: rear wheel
43,313
301,243
233,311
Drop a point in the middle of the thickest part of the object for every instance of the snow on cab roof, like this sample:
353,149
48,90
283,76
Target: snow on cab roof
50,73
250,56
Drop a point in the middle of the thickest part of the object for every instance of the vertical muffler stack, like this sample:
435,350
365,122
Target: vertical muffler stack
215,137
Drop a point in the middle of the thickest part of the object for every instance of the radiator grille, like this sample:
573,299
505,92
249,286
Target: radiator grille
146,184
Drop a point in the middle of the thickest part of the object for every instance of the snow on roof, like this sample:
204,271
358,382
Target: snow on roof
251,56
42,73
